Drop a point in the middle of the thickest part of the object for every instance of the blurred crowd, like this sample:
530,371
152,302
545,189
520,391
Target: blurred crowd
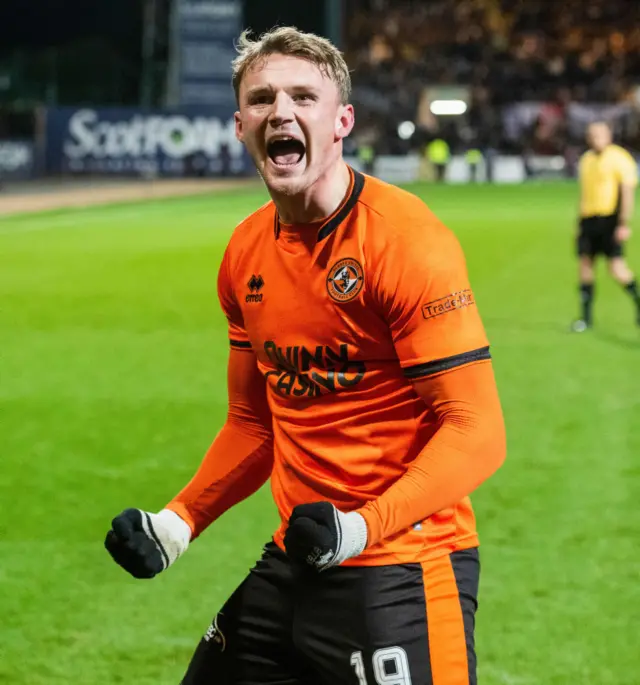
562,54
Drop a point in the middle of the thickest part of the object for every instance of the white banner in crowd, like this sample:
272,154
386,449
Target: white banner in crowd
579,115
520,117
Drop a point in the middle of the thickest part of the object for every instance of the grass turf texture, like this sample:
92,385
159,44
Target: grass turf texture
112,385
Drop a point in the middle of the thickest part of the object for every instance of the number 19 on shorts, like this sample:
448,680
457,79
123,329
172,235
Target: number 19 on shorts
390,667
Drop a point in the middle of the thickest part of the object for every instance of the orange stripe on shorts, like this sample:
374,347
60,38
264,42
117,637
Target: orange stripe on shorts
447,646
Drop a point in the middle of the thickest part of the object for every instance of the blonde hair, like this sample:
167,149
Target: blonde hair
288,40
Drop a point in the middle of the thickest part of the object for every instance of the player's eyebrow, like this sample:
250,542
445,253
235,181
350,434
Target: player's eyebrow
259,90
269,90
303,88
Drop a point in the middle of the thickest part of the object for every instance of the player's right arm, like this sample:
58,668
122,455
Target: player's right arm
240,459
238,462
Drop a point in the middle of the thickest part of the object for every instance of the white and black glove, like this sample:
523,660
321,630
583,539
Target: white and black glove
321,536
145,544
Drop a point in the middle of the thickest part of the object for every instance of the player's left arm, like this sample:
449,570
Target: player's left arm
443,348
421,286
628,180
468,447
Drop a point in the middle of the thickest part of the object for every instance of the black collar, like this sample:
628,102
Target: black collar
327,229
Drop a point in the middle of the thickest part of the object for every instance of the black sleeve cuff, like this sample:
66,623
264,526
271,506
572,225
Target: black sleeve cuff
240,344
439,365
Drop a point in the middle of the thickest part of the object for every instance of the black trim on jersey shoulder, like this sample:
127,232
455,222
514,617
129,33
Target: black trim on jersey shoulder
333,223
356,191
240,344
428,369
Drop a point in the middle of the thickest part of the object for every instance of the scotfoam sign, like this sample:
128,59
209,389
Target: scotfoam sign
169,143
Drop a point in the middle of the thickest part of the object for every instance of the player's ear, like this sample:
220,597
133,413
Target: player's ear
238,120
344,121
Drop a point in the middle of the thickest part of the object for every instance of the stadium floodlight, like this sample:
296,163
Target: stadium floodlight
406,129
448,107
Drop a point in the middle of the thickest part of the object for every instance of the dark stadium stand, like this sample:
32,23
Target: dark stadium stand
503,51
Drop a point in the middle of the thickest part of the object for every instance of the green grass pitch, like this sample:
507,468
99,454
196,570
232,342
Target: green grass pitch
112,384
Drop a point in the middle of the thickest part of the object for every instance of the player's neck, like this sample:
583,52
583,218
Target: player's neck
317,202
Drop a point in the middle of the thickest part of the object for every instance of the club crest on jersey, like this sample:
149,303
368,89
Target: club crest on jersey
345,280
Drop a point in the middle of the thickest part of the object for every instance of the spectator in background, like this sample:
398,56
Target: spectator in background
438,153
366,156
473,157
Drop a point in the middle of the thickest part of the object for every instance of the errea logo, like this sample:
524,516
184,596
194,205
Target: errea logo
255,285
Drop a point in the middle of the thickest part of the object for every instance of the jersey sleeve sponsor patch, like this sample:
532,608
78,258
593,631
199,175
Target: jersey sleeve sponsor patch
449,303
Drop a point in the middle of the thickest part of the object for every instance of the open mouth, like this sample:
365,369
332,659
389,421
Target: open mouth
285,152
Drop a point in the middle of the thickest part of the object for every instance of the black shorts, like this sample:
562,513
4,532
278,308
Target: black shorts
597,237
409,624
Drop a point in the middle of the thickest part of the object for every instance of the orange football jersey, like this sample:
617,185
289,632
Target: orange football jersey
342,317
